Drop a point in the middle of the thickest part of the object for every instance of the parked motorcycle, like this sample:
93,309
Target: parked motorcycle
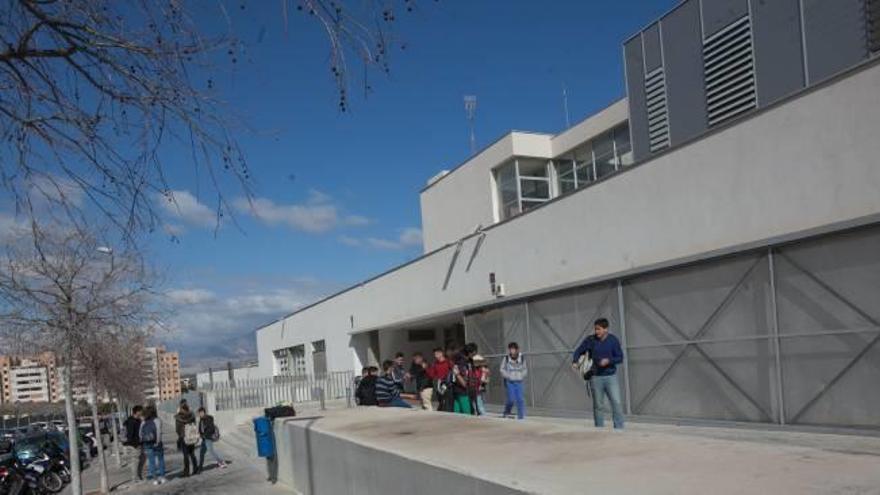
16,480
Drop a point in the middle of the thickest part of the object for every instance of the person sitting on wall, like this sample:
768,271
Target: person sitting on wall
398,372
387,391
365,394
605,352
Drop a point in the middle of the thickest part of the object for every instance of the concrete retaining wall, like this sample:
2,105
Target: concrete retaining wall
313,462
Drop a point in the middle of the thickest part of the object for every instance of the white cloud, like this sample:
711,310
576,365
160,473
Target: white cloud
215,326
189,296
183,206
407,238
317,215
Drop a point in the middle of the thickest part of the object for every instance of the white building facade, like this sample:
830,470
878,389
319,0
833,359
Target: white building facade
725,217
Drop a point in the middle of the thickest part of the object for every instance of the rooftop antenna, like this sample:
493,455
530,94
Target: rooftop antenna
470,108
565,105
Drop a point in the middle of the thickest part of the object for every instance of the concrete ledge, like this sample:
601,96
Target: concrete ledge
381,451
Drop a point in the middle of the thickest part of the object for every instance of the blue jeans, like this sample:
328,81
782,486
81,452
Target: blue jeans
514,396
155,461
602,386
208,446
398,402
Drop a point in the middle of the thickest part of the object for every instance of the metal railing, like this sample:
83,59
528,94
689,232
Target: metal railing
266,392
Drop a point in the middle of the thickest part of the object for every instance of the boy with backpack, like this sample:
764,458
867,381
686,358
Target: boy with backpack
187,438
514,371
209,434
150,436
463,370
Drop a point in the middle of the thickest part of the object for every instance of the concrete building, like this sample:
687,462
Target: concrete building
725,216
162,369
29,379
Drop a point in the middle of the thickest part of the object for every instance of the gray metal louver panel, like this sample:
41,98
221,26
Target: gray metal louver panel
658,116
729,71
873,18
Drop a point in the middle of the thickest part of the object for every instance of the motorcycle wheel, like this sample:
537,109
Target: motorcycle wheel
51,482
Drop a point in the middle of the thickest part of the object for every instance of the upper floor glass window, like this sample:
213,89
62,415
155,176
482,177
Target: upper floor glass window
523,183
597,158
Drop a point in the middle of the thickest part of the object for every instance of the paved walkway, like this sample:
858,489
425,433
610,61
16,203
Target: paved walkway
245,474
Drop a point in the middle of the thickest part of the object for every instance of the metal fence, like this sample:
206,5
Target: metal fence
788,334
266,392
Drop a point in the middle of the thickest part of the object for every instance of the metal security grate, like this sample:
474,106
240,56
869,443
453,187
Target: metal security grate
873,17
658,115
729,70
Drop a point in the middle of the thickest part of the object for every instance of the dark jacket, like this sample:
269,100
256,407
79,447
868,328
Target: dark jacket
365,394
420,376
207,427
182,419
132,431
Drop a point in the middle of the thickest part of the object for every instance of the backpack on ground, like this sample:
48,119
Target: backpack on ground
191,434
149,433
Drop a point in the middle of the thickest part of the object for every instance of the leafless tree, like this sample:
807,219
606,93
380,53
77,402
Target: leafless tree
62,290
93,91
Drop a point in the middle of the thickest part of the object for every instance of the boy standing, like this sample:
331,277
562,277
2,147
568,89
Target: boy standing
133,450
209,433
514,371
418,373
439,372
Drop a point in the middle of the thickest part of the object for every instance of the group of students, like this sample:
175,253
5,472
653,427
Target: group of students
456,379
143,441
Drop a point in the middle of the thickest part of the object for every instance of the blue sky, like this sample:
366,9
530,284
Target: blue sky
337,193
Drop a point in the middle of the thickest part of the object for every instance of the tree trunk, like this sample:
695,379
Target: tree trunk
102,462
72,433
116,448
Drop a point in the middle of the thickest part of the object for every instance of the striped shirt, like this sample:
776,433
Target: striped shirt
386,389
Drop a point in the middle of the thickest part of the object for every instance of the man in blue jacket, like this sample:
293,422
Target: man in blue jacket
604,349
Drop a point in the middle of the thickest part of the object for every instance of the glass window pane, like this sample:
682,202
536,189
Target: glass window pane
583,157
507,193
535,188
603,151
532,167
624,149
565,175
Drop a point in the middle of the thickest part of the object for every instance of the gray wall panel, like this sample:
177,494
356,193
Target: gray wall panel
779,61
653,56
719,13
836,36
635,88
683,52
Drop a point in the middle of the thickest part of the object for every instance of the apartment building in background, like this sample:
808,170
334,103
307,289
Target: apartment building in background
38,378
724,215
29,379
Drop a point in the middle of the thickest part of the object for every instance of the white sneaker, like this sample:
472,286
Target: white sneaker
162,480
223,465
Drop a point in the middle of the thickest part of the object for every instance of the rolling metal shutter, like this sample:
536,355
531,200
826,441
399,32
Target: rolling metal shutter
729,71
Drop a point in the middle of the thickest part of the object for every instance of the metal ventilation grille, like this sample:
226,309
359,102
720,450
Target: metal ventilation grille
729,69
873,15
658,118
